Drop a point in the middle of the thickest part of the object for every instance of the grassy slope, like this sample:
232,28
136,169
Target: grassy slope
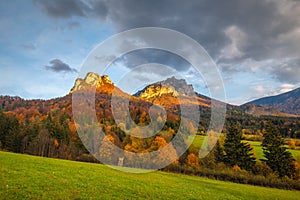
259,152
28,177
256,147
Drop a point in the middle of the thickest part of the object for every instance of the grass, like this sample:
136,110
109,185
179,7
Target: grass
257,148
29,177
198,140
255,144
259,152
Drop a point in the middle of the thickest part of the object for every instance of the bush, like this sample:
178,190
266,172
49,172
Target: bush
261,168
244,177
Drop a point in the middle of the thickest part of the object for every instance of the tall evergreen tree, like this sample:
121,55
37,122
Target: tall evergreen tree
277,157
236,151
219,152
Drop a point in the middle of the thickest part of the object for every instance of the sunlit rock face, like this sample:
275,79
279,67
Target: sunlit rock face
157,90
91,80
106,80
171,86
168,93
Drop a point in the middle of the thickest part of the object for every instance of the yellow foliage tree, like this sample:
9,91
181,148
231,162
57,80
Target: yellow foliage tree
158,143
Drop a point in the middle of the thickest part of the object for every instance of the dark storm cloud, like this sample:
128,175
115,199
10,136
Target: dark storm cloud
59,66
231,31
262,22
69,8
144,56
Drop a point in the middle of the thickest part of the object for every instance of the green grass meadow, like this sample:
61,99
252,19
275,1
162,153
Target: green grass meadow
30,177
257,148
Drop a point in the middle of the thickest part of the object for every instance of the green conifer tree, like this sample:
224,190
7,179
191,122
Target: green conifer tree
236,151
277,157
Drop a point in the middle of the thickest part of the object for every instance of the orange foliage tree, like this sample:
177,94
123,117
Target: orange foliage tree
193,160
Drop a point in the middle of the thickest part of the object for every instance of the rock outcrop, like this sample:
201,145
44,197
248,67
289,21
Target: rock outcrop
91,80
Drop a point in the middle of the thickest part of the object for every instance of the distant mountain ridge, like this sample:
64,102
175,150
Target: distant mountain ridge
164,93
288,102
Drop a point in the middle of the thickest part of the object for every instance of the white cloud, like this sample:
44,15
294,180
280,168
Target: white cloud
286,88
237,39
259,89
189,76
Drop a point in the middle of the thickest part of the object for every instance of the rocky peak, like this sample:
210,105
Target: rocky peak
106,79
91,80
180,86
170,86
156,90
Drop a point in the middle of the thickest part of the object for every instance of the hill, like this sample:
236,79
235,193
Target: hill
29,177
288,102
264,110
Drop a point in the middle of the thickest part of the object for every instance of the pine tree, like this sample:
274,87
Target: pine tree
219,152
236,151
277,157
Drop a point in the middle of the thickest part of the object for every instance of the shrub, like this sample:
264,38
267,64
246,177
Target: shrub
261,168
224,173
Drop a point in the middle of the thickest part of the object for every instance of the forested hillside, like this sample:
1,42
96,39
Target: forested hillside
46,128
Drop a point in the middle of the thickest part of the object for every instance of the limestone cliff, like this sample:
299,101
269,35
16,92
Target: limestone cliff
91,80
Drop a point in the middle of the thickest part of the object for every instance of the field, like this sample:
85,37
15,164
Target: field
256,147
29,177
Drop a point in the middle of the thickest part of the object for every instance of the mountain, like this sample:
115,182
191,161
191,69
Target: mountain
47,127
165,93
92,80
288,102
168,91
171,86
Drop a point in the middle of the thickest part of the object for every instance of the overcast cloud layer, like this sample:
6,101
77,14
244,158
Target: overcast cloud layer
255,43
231,31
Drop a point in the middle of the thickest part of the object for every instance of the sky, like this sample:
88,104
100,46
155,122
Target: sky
255,44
